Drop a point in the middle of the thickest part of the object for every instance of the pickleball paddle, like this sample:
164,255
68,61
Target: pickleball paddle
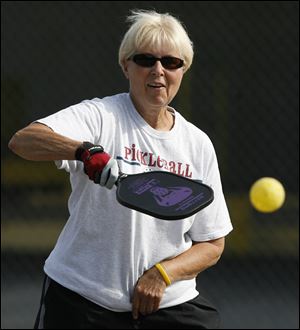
163,195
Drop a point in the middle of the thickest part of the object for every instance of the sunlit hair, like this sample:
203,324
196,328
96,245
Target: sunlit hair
150,29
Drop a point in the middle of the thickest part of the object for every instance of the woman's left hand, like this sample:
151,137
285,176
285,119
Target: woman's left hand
148,293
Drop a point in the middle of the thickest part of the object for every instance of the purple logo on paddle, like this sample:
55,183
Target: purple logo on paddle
170,196
166,196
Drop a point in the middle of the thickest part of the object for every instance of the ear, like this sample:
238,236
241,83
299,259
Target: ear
125,68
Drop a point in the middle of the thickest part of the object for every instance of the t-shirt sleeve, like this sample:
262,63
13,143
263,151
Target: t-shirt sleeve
213,221
81,122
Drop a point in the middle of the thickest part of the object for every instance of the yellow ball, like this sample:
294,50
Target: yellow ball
267,194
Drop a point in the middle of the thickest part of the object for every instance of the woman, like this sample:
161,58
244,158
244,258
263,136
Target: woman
113,267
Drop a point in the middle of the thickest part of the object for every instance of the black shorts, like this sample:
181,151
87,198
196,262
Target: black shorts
62,308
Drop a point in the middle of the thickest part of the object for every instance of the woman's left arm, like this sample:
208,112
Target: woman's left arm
190,263
150,287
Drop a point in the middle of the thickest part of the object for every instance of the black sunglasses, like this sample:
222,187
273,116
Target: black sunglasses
147,61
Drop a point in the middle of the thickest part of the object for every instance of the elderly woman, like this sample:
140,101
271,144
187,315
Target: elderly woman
113,267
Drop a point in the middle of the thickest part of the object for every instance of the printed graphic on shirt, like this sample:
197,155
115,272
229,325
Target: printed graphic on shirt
135,157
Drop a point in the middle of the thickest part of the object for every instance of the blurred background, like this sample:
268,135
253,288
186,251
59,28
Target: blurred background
242,90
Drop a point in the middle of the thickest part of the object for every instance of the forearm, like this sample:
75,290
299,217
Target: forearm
39,142
151,286
193,261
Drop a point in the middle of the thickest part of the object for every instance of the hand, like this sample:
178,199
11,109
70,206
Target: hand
148,293
98,165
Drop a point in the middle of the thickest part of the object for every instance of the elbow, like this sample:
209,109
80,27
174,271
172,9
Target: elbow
219,249
16,144
214,260
13,143
217,258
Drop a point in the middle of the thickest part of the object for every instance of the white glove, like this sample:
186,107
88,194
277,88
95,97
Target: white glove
109,174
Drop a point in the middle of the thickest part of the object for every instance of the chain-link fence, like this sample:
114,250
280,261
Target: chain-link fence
242,89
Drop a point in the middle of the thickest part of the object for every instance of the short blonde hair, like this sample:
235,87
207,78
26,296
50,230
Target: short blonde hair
152,29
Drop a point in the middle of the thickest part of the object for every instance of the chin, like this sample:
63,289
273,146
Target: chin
158,101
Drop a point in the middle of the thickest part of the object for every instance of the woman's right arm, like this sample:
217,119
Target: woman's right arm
40,143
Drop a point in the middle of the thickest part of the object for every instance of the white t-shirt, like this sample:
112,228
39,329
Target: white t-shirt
105,247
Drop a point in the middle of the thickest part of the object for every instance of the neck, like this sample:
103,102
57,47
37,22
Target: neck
159,118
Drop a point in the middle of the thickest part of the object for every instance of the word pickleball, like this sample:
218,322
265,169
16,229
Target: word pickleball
163,195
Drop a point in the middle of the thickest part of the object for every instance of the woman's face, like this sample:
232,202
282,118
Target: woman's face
153,87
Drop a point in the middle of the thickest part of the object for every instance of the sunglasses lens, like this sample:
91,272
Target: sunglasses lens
167,62
171,62
144,60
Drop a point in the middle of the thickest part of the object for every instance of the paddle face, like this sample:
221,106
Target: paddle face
163,195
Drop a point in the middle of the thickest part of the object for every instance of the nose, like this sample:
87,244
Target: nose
157,69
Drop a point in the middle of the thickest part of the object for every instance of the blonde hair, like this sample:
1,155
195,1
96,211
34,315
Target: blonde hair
152,29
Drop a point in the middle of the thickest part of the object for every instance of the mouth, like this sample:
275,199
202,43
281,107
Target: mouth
156,85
